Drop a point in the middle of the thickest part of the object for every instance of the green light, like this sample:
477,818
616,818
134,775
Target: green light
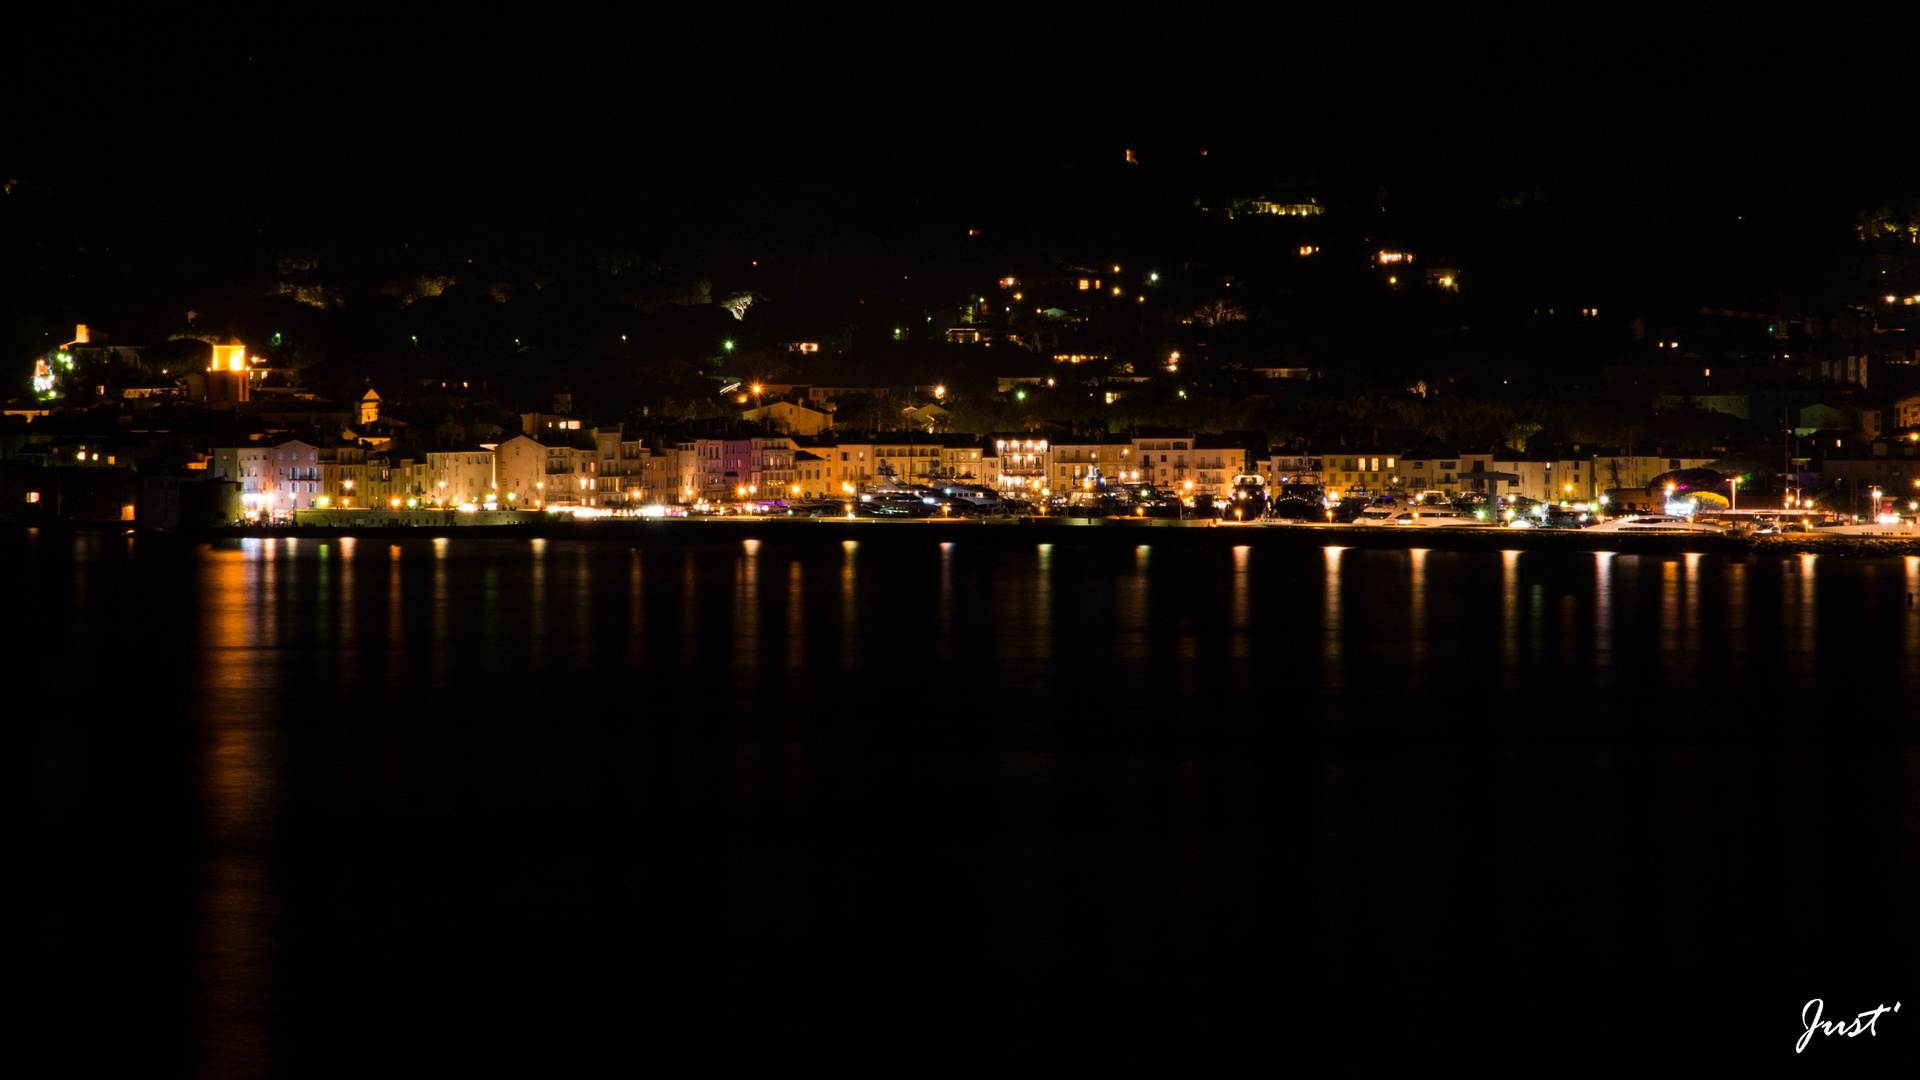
1020,395
727,345
1153,277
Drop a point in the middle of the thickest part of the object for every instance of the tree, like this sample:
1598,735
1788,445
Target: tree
1218,313
863,412
1518,433
1836,501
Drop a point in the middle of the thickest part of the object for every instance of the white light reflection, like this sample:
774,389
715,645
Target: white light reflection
1331,681
945,618
442,647
1043,605
1241,601
1603,608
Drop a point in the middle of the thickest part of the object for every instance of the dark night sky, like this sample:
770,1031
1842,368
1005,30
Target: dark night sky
707,121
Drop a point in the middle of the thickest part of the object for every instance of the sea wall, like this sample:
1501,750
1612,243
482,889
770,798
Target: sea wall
1082,531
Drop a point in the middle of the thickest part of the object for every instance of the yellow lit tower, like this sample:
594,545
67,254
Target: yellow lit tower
228,377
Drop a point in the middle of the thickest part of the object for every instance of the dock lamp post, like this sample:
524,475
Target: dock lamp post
1733,503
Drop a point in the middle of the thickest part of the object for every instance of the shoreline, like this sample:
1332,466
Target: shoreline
1101,532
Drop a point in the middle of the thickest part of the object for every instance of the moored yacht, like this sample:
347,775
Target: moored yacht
1428,510
1667,523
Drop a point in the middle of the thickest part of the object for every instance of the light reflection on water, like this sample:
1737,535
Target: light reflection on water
239,781
1913,615
1333,628
1046,750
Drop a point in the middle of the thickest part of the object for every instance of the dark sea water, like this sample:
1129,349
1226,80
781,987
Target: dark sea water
323,807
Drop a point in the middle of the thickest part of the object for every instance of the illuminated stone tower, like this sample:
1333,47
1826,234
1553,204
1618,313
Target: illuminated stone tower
227,376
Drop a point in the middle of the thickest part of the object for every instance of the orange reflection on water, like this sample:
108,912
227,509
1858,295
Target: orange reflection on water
238,795
1913,607
1669,609
1807,625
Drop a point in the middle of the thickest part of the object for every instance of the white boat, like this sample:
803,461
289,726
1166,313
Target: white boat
1666,523
1429,510
888,486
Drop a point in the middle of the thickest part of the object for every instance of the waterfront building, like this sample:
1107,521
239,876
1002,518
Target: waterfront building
851,463
1219,458
1082,462
790,418
553,475
810,474
1019,462
1354,472
962,458
912,457
1165,459
461,475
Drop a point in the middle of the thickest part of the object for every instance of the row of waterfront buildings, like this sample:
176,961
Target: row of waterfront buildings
608,470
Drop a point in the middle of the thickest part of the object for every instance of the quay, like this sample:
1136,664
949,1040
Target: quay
1090,532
